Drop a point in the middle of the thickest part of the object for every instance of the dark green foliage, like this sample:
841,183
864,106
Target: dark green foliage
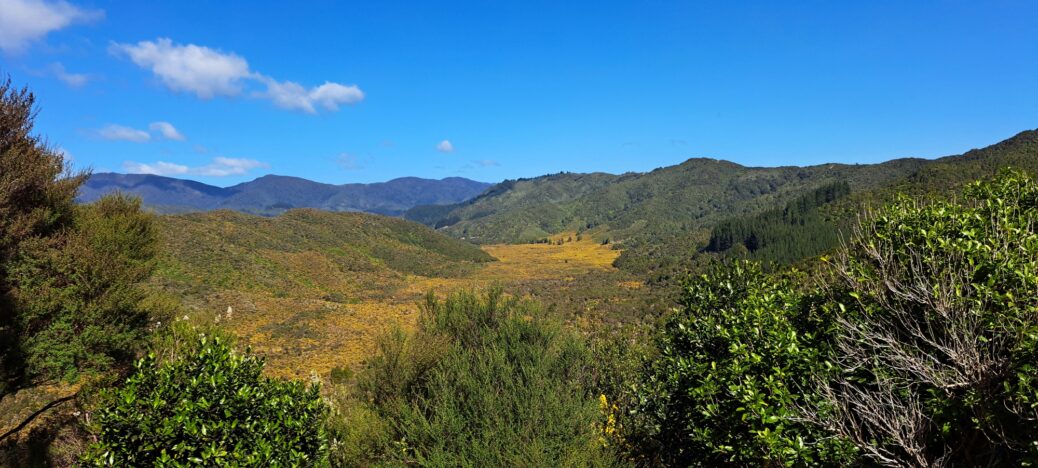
213,408
940,329
69,276
485,381
783,235
35,203
78,296
732,366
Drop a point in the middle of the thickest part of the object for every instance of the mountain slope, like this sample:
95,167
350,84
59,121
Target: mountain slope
685,197
274,194
666,215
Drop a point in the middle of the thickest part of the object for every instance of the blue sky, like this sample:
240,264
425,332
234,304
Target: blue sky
339,92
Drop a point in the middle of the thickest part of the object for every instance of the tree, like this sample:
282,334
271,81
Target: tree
211,407
71,295
36,203
938,341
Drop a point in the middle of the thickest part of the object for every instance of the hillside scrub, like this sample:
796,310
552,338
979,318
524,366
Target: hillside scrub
484,381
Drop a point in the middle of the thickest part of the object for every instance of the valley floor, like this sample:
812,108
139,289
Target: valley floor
306,337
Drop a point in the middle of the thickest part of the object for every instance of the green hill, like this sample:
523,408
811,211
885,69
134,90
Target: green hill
304,253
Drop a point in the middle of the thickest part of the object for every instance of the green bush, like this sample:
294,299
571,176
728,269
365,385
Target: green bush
484,381
938,339
78,296
732,364
211,407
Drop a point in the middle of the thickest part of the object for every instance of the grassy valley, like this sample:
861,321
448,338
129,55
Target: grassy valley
311,290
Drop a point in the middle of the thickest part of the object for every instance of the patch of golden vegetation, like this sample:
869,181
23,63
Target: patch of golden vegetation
303,335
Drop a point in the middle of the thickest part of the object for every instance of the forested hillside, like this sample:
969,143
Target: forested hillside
689,196
663,217
767,238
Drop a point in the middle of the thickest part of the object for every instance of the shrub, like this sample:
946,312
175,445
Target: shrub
939,330
211,407
484,381
732,364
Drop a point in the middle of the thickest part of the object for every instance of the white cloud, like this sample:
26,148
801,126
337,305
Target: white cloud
445,146
74,80
331,95
220,167
486,163
65,154
23,21
293,96
208,73
119,132
161,168
167,130
190,68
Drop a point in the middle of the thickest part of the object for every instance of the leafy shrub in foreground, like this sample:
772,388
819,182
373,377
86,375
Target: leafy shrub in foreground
484,381
211,407
938,337
733,361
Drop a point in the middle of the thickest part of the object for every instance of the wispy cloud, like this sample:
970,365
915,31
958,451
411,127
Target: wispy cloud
119,132
159,168
24,21
219,167
445,146
167,130
293,96
486,163
74,80
349,162
207,73
157,129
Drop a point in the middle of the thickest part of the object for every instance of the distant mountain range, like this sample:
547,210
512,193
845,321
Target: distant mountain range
272,194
